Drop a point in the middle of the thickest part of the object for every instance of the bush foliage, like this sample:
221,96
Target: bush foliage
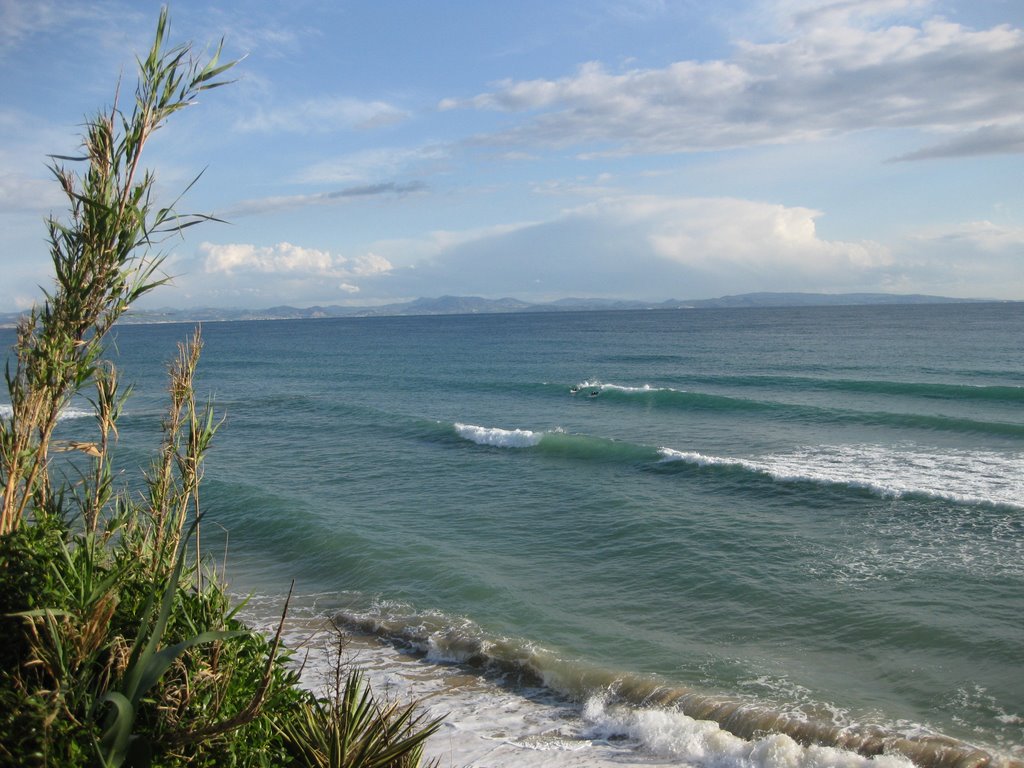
119,646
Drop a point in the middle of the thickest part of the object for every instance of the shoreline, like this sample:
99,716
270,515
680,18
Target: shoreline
486,723
496,722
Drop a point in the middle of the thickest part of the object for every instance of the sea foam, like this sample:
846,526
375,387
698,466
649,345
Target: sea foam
592,385
497,719
961,476
500,438
66,414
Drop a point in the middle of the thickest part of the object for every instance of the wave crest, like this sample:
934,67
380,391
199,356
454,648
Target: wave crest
500,438
962,477
672,721
66,414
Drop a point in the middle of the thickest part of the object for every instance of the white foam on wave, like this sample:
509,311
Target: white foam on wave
495,436
6,411
500,721
74,413
592,385
668,733
962,476
489,724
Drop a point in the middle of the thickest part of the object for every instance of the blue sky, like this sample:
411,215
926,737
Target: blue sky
373,152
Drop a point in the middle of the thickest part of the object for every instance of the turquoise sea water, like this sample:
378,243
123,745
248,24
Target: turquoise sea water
806,519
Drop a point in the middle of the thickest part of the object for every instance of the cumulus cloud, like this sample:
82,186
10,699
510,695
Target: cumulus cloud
725,234
843,67
640,246
245,274
651,247
288,260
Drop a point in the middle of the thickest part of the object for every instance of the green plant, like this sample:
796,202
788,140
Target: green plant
117,649
146,665
103,263
354,730
349,727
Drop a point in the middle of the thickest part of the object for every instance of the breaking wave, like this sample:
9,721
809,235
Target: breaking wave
67,414
670,720
500,438
962,477
682,399
970,477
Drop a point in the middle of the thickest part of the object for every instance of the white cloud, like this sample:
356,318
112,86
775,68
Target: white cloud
286,259
245,274
981,236
979,259
323,116
722,234
26,185
795,14
840,70
374,163
20,21
648,247
29,195
285,202
431,246
986,140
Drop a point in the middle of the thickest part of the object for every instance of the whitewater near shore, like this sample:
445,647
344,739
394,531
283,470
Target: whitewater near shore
490,721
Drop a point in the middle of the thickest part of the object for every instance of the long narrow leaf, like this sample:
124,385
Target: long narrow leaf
162,660
117,736
133,688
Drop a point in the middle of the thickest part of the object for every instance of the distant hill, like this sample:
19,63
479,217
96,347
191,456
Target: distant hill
820,300
470,305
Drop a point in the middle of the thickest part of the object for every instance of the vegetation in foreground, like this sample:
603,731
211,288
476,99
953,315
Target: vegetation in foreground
120,646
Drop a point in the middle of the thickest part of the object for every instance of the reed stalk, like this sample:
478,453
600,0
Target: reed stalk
103,262
117,651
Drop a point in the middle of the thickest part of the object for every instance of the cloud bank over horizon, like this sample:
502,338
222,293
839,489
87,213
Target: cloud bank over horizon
610,248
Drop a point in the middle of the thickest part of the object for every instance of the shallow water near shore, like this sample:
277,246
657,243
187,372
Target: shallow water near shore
801,521
494,717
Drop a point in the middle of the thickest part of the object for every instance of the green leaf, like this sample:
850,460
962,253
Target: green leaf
117,736
162,660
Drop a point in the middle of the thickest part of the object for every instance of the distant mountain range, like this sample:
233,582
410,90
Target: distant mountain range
471,305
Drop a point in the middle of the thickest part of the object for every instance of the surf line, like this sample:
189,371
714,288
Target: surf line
749,721
745,720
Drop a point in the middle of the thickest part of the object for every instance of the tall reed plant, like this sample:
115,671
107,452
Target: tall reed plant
116,649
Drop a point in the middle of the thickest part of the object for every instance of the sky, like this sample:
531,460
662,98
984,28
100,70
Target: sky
376,151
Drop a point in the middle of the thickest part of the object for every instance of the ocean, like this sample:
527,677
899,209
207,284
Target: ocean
714,537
